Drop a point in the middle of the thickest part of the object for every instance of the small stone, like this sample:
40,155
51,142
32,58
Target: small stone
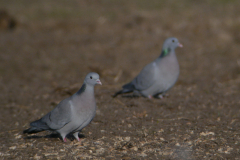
13,147
213,139
51,154
220,150
4,154
100,151
127,139
23,146
37,157
142,154
229,149
93,148
189,143
162,139
18,136
177,144
135,148
166,153
207,133
98,143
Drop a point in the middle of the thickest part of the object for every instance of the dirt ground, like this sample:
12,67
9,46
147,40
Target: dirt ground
54,44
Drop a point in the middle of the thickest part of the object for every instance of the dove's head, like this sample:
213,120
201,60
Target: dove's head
171,43
169,46
92,79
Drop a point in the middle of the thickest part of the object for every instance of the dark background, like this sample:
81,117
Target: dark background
45,56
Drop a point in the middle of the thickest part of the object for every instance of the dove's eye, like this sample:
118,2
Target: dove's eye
173,40
90,77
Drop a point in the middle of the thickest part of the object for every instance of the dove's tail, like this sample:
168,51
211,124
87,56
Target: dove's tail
36,126
121,92
33,130
127,88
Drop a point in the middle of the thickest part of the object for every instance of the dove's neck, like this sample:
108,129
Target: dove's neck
169,61
81,90
166,52
168,64
86,89
89,89
85,97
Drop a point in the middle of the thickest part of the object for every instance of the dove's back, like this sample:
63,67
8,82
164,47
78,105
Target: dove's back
166,72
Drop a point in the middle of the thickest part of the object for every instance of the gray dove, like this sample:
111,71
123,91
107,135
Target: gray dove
72,114
158,76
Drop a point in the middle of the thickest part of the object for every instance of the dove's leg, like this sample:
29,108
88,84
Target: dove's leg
76,136
160,96
63,137
150,96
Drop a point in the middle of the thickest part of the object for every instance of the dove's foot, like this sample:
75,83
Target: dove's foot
160,96
150,97
64,140
76,136
78,139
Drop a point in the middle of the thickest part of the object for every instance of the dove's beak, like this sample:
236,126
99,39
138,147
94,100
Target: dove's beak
180,45
98,81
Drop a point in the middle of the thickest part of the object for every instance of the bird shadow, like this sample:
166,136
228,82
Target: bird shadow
139,96
130,96
55,135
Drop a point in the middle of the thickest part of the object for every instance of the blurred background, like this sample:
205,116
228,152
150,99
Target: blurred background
47,47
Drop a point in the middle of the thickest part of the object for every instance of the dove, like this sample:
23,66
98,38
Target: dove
157,77
72,114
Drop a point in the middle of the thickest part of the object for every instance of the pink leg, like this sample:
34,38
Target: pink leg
76,136
160,96
149,96
64,140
